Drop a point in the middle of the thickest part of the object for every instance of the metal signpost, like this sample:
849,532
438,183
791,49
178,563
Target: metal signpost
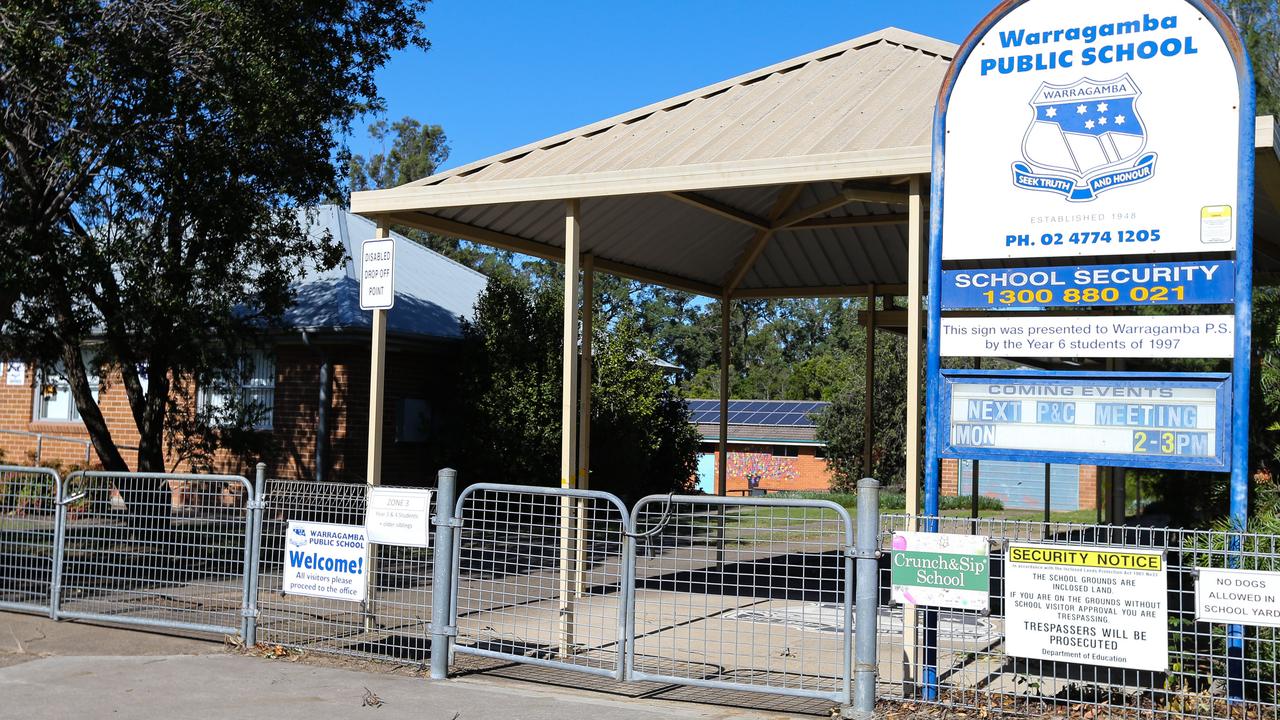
1092,159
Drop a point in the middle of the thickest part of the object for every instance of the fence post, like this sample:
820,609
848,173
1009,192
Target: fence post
61,493
257,502
867,599
442,578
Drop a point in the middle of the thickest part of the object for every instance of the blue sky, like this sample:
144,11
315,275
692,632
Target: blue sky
502,73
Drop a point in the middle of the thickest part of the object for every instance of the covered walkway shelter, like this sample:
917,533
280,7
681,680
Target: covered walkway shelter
808,178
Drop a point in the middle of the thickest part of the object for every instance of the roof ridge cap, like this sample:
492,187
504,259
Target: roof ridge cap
890,34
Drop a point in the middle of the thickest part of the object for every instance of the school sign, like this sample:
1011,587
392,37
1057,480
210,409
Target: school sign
1092,201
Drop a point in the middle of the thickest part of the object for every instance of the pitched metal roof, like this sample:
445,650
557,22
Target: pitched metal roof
676,191
859,95
432,291
817,149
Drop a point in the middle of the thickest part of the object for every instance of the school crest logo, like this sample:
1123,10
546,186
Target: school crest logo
1084,139
297,537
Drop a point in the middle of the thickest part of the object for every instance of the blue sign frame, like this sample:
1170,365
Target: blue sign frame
1240,376
1041,287
1219,382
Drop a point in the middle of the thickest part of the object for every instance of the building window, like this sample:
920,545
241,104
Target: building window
786,451
413,417
252,384
54,402
820,452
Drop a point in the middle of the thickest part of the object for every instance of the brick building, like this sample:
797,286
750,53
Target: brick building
312,374
772,445
1020,486
775,443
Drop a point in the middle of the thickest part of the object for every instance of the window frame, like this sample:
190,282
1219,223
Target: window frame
250,387
62,384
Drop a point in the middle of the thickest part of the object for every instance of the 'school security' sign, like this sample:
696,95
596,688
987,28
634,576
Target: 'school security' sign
1247,597
1207,282
1167,421
327,561
1088,605
1074,129
377,274
935,570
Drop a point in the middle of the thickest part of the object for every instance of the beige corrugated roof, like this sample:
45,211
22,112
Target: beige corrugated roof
818,148
860,95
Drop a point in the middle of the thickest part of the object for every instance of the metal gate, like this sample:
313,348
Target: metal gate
742,594
28,538
539,577
732,593
157,549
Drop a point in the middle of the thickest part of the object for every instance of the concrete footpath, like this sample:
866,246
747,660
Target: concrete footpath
74,670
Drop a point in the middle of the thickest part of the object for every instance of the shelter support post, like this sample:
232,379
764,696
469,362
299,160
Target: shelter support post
569,416
373,472
583,481
868,400
915,347
722,471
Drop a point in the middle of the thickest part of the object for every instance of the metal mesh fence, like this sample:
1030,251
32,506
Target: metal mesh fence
974,671
539,577
159,550
745,594
28,517
393,624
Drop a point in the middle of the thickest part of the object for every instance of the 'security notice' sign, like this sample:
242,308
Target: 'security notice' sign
1089,605
1065,108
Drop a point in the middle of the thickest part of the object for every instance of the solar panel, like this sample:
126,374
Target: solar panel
774,413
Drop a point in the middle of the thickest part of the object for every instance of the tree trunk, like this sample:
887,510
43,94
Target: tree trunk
99,434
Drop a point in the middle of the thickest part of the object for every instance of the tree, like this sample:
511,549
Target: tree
417,151
154,157
842,427
1258,22
509,400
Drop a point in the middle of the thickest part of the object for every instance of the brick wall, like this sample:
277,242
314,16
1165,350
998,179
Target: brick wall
806,471
410,374
950,477
951,483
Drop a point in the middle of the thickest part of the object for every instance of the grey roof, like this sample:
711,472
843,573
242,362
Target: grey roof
432,291
760,434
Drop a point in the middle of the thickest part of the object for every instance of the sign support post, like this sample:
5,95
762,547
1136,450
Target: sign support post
1064,131
377,293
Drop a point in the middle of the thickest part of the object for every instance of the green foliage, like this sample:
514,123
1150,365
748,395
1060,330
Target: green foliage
842,426
1259,24
509,404
417,150
156,153
896,501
